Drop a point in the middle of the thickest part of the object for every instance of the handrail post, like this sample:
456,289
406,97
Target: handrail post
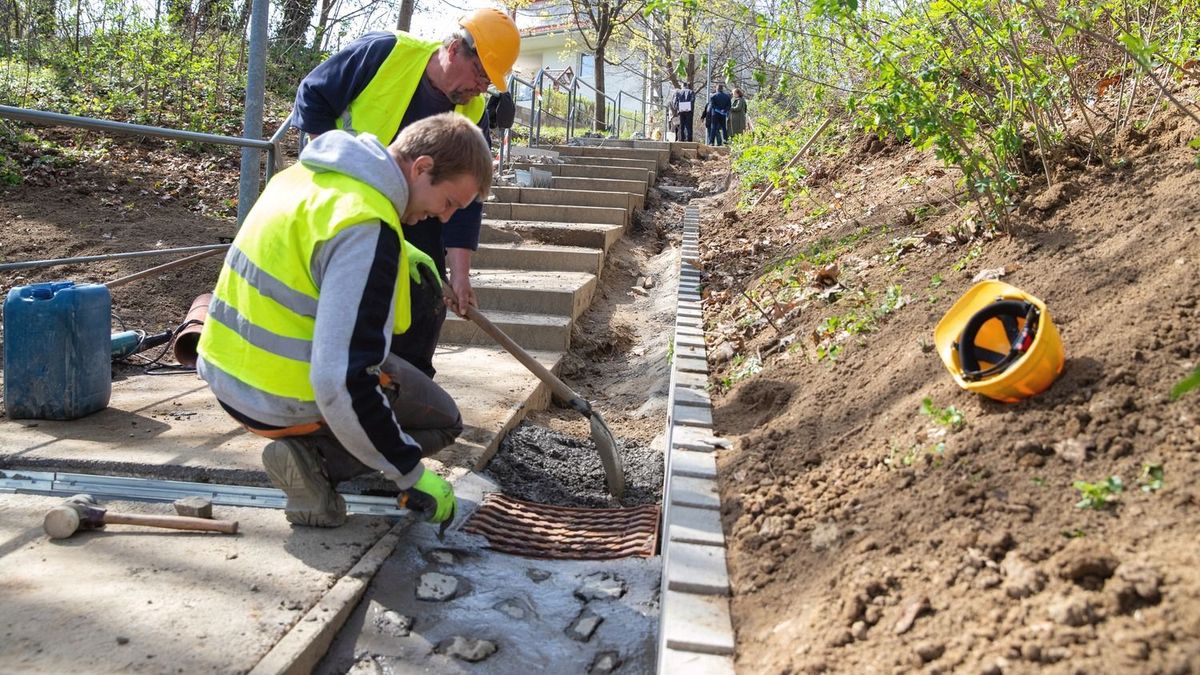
256,77
536,104
617,129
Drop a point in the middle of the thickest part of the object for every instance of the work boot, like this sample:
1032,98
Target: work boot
295,467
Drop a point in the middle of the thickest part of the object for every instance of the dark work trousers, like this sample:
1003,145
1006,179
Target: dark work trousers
716,130
685,126
417,344
424,410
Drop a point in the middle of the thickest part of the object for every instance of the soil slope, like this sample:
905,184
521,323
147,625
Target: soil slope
863,536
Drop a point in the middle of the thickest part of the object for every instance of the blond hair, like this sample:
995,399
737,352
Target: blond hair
455,144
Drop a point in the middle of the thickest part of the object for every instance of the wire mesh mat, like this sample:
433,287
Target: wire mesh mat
545,531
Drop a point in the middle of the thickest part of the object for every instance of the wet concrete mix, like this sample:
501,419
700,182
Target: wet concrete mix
548,467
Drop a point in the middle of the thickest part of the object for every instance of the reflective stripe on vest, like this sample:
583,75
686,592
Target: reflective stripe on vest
380,108
263,313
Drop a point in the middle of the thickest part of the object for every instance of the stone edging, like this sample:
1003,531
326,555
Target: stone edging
695,629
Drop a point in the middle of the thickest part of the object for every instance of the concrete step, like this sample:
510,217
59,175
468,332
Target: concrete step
591,235
556,213
531,331
622,143
542,257
647,164
552,196
591,171
636,187
541,292
662,158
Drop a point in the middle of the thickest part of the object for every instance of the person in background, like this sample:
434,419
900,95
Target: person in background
313,289
718,116
385,81
737,113
682,104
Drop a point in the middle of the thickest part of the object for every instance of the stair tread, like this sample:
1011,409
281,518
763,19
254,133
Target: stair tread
513,278
502,317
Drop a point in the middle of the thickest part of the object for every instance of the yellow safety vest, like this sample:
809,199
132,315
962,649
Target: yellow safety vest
380,108
261,321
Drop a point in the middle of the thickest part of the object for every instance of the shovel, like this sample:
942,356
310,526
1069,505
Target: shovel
614,468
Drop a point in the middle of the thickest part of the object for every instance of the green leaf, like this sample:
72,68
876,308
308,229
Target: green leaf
1187,384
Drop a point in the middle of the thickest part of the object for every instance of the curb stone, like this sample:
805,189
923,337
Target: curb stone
695,633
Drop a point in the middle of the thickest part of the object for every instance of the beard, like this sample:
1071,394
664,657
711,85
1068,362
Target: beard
461,96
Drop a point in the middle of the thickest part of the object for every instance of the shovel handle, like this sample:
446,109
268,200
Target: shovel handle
172,522
561,390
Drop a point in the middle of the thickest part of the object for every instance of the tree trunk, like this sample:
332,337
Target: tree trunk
322,31
404,21
297,15
598,73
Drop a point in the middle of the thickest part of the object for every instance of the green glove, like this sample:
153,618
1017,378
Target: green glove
417,258
431,496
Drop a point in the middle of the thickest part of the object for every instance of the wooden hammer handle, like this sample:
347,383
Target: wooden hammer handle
173,522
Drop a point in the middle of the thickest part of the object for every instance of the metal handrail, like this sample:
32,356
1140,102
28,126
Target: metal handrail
44,117
572,101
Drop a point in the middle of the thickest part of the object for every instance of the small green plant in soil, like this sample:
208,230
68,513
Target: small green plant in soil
1185,385
670,350
1097,496
967,259
948,417
1152,477
1074,534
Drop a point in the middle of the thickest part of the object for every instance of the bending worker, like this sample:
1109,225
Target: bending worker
383,82
313,289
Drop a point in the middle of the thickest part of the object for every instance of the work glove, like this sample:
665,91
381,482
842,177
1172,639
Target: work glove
431,496
417,259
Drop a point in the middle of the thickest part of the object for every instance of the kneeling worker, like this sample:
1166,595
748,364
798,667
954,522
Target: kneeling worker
296,344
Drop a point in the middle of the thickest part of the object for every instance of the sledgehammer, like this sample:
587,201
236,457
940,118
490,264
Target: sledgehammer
82,512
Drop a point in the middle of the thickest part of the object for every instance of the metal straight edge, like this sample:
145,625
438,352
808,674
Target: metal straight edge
147,489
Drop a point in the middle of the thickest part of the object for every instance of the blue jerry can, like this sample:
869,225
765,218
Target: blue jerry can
57,350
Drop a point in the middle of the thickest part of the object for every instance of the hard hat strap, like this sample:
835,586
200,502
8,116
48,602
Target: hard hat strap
1020,340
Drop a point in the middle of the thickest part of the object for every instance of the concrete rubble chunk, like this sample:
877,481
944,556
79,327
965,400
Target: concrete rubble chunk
600,586
436,587
605,663
195,507
390,622
465,648
513,608
584,625
443,557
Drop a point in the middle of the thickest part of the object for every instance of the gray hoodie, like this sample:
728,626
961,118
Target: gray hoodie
356,272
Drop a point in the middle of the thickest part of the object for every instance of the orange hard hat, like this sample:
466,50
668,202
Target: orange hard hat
999,341
495,38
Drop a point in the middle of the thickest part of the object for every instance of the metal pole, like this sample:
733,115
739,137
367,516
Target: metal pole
252,123
6,267
42,117
617,129
166,266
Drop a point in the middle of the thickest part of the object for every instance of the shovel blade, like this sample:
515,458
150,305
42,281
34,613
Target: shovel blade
614,466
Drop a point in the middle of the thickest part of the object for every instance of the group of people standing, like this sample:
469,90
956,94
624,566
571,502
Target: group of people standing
724,116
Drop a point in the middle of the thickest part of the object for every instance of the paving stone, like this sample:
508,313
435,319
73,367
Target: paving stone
692,416
688,332
685,396
698,623
600,586
689,340
693,463
692,365
695,526
442,556
694,663
694,380
689,306
436,587
697,568
605,663
696,492
690,292
465,648
584,625
697,438
692,350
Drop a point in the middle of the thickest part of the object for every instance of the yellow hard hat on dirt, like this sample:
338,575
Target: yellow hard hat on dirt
999,341
495,38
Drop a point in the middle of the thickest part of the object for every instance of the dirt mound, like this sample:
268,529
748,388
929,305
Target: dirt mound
864,536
